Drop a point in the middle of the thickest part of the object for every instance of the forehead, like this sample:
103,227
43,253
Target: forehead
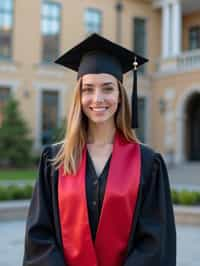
98,79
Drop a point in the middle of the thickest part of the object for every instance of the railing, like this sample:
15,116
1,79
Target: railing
189,60
8,65
186,61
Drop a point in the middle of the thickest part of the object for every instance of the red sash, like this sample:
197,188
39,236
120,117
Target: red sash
117,211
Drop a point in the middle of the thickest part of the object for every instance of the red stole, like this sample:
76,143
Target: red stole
117,211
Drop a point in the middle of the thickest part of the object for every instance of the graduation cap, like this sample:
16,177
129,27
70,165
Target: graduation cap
96,55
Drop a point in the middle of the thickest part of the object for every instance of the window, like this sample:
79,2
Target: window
93,20
194,37
51,23
49,115
6,25
4,95
140,39
141,131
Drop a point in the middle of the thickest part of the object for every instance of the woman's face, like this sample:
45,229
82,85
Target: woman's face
99,97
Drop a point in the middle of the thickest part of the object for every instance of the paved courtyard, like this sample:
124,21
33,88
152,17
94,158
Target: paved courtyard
185,175
12,237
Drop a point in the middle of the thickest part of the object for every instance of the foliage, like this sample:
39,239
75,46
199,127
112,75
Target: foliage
15,143
14,192
185,197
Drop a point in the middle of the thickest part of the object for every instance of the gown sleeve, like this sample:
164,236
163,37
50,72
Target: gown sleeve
155,234
40,244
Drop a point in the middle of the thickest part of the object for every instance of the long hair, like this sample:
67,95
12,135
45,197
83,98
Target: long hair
70,153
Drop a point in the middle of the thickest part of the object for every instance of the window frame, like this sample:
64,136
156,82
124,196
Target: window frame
46,92
194,29
142,70
12,13
97,11
59,5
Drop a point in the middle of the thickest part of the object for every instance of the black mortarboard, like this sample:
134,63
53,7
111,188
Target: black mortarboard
96,55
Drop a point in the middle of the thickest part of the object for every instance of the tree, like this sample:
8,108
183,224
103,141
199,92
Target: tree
15,142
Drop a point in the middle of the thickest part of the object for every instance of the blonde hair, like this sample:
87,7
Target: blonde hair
75,138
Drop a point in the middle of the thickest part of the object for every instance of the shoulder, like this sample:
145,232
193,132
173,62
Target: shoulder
147,152
46,167
51,150
151,159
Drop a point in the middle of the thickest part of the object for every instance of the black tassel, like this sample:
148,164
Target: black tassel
134,101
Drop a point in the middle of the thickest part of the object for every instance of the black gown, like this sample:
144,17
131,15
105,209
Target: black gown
152,241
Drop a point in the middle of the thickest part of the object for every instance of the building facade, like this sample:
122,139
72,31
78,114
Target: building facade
34,33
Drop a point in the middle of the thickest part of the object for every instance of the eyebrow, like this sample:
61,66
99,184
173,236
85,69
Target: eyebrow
92,85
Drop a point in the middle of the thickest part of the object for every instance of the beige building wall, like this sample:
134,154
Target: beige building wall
189,20
31,76
171,126
28,76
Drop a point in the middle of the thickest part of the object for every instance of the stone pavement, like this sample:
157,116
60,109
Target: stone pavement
12,241
188,244
20,183
186,175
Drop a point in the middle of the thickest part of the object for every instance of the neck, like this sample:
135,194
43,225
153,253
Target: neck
101,133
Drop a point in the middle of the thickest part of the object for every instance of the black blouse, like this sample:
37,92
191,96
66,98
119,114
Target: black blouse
95,190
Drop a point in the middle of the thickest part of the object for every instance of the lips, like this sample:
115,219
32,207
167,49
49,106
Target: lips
99,109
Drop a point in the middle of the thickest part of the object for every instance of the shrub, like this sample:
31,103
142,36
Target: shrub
14,192
174,194
185,197
15,142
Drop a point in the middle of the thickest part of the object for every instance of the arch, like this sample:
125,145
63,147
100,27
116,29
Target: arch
180,122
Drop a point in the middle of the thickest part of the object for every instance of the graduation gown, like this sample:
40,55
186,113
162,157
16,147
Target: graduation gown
152,240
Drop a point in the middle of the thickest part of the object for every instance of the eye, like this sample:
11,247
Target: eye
108,89
87,89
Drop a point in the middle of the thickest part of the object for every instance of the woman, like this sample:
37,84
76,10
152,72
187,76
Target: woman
101,197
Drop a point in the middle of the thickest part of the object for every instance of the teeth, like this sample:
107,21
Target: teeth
99,109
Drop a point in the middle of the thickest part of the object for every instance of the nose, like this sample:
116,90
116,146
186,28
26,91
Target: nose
98,96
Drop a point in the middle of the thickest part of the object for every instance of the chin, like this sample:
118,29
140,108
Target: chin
101,120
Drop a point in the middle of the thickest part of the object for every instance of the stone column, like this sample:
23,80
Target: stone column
165,30
177,27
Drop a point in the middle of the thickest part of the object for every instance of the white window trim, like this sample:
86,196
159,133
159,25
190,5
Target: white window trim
12,84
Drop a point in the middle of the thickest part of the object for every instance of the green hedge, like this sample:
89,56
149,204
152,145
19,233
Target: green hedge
14,192
185,197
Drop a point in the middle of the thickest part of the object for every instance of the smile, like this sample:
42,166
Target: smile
98,109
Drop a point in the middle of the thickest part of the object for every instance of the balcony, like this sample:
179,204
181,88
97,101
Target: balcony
186,61
187,6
